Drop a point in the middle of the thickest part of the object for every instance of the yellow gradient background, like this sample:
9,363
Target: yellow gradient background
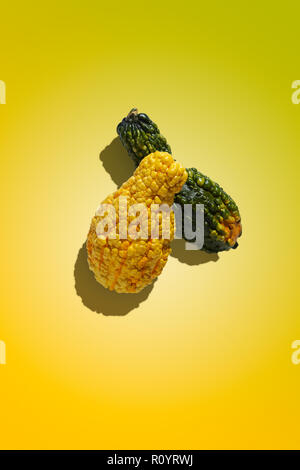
203,359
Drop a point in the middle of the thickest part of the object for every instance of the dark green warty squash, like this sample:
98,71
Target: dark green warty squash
222,222
140,136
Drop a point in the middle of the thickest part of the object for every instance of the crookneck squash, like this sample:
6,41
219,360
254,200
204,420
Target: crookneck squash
222,222
120,260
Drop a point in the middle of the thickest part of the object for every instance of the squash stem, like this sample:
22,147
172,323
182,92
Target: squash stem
132,113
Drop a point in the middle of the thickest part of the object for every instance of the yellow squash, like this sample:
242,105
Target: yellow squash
119,260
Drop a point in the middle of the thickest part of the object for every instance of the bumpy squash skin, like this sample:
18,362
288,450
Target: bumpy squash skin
222,221
127,265
140,136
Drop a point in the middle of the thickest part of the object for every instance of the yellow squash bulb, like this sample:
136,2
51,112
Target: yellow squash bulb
123,254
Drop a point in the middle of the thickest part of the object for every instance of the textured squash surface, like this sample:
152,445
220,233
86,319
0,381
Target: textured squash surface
140,136
128,264
222,221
